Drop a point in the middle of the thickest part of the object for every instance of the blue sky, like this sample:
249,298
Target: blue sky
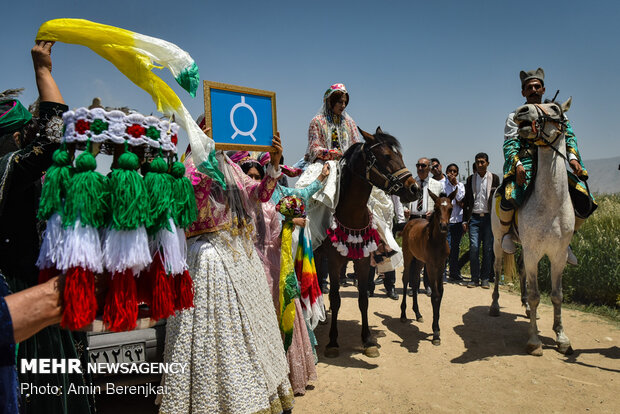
441,76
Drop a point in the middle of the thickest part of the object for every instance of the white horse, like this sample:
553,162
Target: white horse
545,221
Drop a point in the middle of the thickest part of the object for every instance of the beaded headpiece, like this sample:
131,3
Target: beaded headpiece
336,87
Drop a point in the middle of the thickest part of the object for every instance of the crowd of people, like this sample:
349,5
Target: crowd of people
232,338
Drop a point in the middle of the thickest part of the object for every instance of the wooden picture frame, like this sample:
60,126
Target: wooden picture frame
221,94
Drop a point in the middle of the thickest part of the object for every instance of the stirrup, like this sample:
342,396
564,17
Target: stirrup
508,244
571,259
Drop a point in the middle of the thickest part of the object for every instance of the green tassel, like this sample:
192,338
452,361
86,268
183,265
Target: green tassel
128,196
159,189
88,196
55,187
185,211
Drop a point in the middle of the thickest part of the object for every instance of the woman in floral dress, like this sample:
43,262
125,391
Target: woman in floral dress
230,339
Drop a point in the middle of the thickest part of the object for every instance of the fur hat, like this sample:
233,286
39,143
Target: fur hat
532,74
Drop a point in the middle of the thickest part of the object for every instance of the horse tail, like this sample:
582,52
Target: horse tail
510,267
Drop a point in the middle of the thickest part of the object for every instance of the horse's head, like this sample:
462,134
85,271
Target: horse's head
443,209
385,167
542,123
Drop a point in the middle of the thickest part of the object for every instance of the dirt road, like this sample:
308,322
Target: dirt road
480,367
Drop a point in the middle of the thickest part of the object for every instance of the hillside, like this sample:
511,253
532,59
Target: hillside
604,175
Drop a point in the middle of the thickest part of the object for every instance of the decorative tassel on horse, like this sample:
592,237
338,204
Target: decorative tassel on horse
353,243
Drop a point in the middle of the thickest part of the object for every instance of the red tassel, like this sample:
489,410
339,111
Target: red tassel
163,295
121,306
79,299
184,291
47,273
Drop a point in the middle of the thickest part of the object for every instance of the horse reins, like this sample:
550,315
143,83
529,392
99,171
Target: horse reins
539,128
392,181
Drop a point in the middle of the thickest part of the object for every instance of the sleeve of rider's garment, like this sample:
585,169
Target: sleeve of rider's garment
317,145
572,150
512,146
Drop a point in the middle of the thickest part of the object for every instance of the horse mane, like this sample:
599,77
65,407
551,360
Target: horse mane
356,150
349,155
388,139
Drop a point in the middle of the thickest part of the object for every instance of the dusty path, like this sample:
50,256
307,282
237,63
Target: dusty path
480,366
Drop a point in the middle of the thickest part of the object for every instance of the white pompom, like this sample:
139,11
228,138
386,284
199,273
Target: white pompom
126,249
82,248
53,243
168,242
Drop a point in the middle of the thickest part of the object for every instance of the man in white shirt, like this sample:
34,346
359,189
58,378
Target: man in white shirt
438,175
479,189
424,205
455,228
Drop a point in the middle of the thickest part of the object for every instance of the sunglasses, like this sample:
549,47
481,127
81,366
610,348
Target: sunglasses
452,171
434,166
420,165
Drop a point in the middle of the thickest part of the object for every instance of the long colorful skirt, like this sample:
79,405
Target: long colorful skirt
230,339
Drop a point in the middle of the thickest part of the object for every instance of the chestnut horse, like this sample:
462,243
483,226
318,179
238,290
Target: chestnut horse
425,241
376,162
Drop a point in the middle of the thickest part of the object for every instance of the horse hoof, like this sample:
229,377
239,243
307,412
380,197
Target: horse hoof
494,311
535,349
419,318
371,352
437,342
565,349
332,352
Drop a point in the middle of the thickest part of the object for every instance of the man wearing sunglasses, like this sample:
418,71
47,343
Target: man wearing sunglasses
520,166
424,205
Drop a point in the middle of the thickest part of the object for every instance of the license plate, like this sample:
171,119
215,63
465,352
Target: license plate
125,353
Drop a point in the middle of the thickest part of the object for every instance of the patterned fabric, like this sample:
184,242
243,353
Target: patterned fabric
311,297
288,288
230,338
213,211
335,87
518,150
115,127
324,135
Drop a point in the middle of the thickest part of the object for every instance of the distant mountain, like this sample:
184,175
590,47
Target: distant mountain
604,175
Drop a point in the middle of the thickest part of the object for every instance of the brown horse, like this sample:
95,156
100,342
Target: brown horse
425,240
376,162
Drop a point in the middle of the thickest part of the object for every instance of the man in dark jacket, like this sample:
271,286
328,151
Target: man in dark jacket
479,191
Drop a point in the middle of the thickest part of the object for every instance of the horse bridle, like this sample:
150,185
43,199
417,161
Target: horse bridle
539,124
393,182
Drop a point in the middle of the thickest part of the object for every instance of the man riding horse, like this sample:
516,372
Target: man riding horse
520,167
